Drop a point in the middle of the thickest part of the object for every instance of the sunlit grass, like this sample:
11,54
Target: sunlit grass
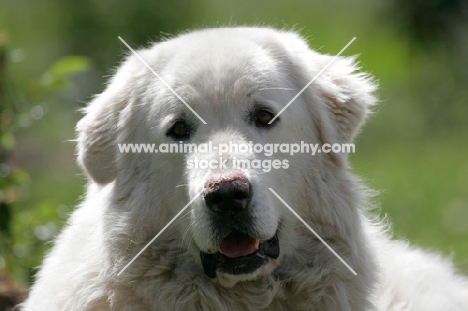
423,191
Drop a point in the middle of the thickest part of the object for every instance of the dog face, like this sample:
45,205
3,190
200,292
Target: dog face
236,80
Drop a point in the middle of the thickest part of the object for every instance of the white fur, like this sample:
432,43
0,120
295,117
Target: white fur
130,197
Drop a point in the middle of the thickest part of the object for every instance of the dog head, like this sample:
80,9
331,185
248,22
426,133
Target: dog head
236,80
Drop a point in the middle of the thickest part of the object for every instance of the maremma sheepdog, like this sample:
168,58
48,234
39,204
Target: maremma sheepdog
237,245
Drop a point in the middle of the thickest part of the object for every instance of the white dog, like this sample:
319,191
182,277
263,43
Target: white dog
237,246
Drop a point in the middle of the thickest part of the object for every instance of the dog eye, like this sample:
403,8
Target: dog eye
180,130
263,117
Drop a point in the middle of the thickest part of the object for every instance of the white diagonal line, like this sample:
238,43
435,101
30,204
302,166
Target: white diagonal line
161,79
159,233
312,81
312,230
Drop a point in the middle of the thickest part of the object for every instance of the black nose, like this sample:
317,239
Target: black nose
227,192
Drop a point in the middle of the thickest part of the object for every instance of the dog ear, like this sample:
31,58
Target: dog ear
347,95
340,98
97,130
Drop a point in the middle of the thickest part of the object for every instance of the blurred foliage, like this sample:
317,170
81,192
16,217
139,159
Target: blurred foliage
22,231
56,77
430,22
414,148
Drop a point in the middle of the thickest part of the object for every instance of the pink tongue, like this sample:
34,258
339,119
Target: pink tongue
237,245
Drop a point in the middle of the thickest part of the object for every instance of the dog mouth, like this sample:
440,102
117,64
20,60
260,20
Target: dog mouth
240,253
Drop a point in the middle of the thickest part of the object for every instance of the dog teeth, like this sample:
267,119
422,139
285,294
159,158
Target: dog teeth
257,243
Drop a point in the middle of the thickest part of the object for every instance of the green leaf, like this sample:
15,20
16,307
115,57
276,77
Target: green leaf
68,65
7,140
55,77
